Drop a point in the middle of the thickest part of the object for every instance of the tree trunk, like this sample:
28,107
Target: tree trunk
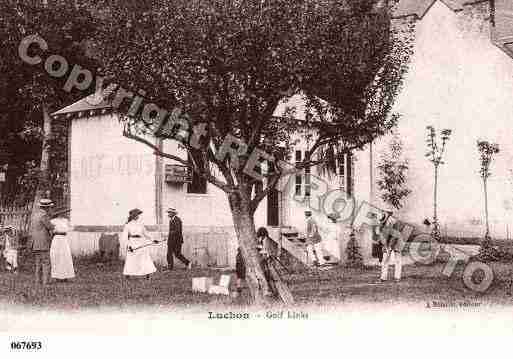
42,189
435,217
246,235
486,207
436,228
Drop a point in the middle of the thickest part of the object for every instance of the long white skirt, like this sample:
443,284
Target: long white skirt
138,262
60,258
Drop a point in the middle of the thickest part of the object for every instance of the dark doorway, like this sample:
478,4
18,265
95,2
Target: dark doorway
273,211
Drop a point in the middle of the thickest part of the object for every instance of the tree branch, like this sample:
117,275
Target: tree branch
208,176
262,194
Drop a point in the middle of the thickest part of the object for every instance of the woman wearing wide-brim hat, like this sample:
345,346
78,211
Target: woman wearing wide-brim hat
138,261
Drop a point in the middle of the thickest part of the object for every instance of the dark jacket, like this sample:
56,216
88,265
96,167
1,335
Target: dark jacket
390,239
41,233
175,230
312,231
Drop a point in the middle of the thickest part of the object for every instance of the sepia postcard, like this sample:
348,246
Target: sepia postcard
204,177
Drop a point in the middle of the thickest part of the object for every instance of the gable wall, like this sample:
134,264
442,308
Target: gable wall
110,174
458,79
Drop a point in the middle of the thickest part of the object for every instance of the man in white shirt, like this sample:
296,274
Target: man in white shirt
392,246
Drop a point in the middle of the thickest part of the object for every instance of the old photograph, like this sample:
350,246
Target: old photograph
253,161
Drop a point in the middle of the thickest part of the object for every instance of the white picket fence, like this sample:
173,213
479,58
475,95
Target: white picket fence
17,216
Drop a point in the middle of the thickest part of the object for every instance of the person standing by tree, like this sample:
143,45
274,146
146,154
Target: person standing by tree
175,240
263,245
41,233
377,245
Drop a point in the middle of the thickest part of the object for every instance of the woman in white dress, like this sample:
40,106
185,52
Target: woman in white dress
60,252
138,261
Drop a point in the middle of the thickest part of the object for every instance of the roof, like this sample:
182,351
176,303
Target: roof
503,31
504,18
419,8
96,101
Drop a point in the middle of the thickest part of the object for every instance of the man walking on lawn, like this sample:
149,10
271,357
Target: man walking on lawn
392,247
314,245
41,233
175,240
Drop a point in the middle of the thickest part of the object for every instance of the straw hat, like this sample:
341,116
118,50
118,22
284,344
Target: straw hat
45,203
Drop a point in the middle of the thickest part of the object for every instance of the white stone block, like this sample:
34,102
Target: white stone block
225,280
217,289
201,284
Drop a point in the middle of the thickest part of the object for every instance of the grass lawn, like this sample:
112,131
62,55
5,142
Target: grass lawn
420,284
98,285
103,285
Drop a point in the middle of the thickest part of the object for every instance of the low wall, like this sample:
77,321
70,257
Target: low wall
204,246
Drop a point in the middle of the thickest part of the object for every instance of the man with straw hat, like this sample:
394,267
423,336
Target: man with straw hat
175,240
41,233
314,245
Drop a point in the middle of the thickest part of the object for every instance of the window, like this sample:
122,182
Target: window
198,184
342,172
345,174
308,182
349,174
299,176
273,202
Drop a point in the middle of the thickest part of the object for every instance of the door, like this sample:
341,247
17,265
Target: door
273,212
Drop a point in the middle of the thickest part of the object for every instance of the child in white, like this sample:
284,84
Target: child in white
11,248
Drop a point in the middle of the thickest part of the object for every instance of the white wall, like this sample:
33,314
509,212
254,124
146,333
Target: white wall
210,209
110,174
458,79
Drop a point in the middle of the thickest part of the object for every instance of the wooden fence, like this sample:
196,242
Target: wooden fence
16,216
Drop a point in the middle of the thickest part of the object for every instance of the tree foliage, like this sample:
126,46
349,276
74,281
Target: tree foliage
228,64
25,89
354,257
393,170
436,150
435,155
486,151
